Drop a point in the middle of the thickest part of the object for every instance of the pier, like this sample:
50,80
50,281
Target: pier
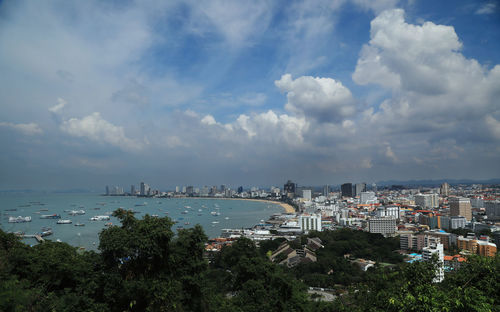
36,236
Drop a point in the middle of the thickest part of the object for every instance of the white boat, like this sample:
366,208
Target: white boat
19,219
66,221
79,224
99,218
215,222
184,212
52,216
215,213
227,218
76,212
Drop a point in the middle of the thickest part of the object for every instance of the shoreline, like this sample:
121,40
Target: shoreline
288,208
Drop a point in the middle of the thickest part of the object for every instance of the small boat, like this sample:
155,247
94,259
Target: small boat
200,214
79,224
187,223
13,209
52,216
46,233
43,210
180,227
58,240
187,207
19,219
99,218
64,221
215,222
226,218
97,208
108,224
77,212
155,216
215,213
184,212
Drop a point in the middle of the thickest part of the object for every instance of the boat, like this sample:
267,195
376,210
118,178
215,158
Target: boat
108,224
43,210
64,221
19,219
180,227
184,212
199,210
76,212
139,205
200,214
215,222
99,218
155,216
46,233
52,216
187,207
215,213
226,218
13,209
79,224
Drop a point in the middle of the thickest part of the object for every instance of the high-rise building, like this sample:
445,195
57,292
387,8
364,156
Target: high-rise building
177,189
132,190
428,252
360,187
427,200
306,194
107,190
346,189
289,189
368,198
143,189
310,222
190,190
445,189
492,209
383,225
240,189
326,190
460,206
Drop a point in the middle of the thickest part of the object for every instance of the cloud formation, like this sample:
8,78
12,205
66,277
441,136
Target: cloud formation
323,99
26,129
96,129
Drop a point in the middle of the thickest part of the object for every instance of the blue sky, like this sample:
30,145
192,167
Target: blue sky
247,92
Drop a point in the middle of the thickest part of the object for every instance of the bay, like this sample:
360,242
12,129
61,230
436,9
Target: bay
186,211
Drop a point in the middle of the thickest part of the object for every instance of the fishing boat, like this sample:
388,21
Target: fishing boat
52,216
64,221
99,218
19,219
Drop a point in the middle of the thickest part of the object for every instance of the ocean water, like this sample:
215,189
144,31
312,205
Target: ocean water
186,211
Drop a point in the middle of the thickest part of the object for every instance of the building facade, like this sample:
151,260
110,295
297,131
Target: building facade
460,206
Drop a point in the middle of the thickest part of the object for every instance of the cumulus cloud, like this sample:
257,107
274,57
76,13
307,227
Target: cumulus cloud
432,83
27,129
60,104
95,128
323,99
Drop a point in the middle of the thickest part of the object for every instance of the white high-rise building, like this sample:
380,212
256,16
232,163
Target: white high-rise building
306,194
368,198
310,222
460,206
427,200
435,249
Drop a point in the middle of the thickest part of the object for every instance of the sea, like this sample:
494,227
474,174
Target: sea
187,212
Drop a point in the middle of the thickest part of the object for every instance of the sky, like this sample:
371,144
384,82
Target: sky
96,93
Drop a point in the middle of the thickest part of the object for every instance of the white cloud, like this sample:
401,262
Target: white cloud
27,129
96,129
60,104
487,8
323,99
208,120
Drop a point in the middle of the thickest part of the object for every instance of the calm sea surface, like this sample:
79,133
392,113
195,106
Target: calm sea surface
186,211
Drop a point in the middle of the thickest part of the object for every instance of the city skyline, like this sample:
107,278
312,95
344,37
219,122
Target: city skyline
254,93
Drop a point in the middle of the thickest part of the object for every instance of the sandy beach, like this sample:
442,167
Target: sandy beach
288,208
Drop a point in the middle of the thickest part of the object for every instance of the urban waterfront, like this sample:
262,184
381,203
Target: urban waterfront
212,214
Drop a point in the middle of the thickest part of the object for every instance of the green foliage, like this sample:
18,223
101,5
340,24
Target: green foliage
143,266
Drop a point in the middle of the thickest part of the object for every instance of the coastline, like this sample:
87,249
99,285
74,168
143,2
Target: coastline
288,208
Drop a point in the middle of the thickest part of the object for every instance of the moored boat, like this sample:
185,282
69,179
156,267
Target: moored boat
64,221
